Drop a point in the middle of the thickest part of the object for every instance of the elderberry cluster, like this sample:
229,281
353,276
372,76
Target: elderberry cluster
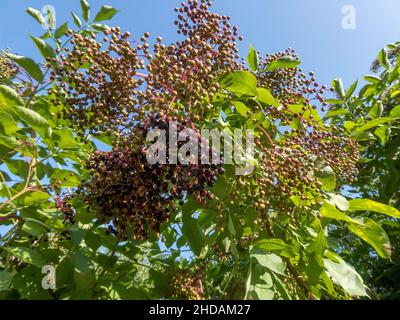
8,69
98,83
124,189
183,286
187,70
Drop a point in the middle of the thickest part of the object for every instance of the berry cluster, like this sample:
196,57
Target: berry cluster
8,69
292,167
64,206
99,83
183,286
187,70
125,190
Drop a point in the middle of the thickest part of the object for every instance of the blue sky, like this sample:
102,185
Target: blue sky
312,27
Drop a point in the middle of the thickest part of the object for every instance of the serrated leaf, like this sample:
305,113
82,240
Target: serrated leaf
240,83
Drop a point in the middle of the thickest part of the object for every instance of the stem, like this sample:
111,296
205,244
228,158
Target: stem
267,135
25,190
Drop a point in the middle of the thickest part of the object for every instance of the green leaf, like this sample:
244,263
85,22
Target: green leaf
5,279
27,255
32,118
9,98
67,178
330,212
44,48
327,177
240,83
339,88
85,10
100,27
285,62
93,240
339,112
377,110
231,226
36,14
191,229
29,66
340,202
350,91
9,142
277,246
271,261
346,277
370,205
372,233
77,21
105,13
8,124
252,59
395,112
373,123
34,228
65,138
383,134
35,198
17,167
265,96
298,108
61,30
51,19
383,59
372,79
241,108
81,262
84,281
